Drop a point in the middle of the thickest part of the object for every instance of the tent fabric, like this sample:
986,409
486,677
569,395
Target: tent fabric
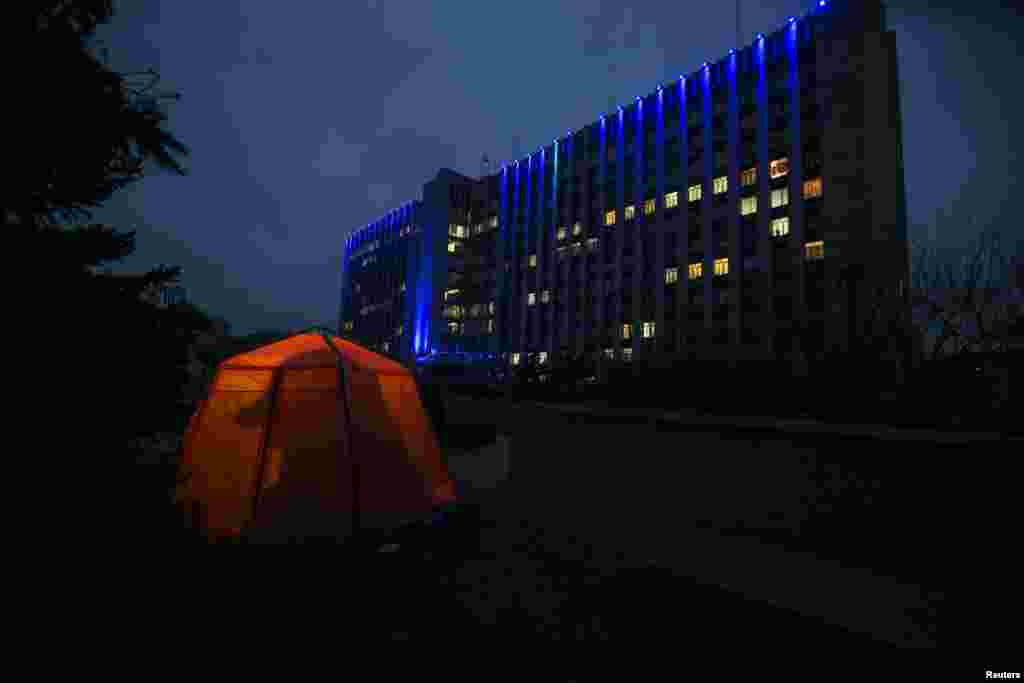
309,350
275,454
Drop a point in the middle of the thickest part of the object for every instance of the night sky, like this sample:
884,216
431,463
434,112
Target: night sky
309,119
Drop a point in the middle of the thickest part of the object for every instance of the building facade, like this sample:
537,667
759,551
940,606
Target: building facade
753,209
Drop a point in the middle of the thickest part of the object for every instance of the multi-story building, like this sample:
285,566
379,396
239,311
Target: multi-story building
749,210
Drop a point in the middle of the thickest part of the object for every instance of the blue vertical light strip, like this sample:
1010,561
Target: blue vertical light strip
514,271
503,229
659,193
570,159
640,196
400,251
683,248
764,242
529,230
553,200
542,226
708,198
735,250
796,204
602,165
421,303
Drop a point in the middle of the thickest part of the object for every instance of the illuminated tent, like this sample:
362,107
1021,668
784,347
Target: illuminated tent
276,452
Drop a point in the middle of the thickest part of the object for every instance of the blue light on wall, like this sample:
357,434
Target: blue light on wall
392,223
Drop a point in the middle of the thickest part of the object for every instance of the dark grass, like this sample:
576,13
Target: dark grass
636,607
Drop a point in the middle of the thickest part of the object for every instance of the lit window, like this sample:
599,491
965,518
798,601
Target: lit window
592,244
648,330
357,287
814,251
387,346
348,325
694,193
780,226
812,188
609,218
577,228
779,167
721,184
748,205
542,357
490,307
561,252
451,247
453,328
671,200
455,230
545,296
531,298
401,287
609,353
515,358
627,331
780,197
533,260
627,354
494,221
399,330
721,266
490,326
696,270
671,275
649,206
748,177
450,293
630,212
561,232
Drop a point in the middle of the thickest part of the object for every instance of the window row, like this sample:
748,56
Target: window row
459,328
647,330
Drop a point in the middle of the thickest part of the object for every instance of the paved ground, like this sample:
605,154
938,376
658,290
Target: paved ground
594,512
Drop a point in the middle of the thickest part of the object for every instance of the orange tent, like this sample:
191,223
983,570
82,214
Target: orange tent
311,437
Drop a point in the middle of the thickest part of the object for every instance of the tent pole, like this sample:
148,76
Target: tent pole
356,511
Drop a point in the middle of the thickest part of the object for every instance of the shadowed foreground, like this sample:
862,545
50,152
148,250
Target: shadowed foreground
506,580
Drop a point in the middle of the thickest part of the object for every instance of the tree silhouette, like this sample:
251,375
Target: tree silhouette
85,130
112,359
966,303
